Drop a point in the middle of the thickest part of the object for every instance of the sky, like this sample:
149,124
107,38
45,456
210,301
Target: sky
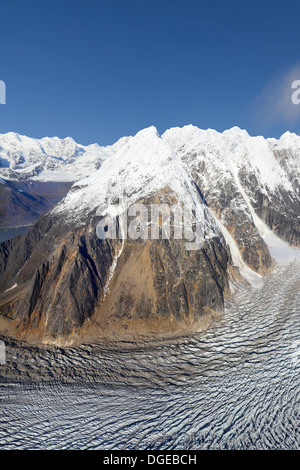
97,70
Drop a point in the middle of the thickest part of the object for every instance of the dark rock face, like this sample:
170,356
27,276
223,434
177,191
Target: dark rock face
19,255
282,217
280,210
228,204
161,280
63,289
189,283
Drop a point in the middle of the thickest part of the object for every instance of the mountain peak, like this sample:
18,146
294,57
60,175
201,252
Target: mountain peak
236,131
150,132
12,136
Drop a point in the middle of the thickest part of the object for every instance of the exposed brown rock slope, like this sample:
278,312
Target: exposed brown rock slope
65,291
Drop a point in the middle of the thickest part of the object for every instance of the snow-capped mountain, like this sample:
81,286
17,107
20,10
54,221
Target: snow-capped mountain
139,167
47,159
60,280
243,176
240,177
35,174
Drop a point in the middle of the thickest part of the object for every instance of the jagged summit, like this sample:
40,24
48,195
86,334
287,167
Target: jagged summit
138,167
55,159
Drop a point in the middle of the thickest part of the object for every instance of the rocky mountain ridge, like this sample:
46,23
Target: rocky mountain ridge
60,282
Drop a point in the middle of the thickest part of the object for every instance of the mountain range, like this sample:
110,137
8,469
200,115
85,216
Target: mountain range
61,283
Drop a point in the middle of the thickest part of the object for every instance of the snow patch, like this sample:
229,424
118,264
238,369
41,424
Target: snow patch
12,287
112,270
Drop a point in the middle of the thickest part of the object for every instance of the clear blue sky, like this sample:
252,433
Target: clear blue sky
99,70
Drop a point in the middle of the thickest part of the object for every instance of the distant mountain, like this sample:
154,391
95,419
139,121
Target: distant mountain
60,282
23,202
36,173
49,159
